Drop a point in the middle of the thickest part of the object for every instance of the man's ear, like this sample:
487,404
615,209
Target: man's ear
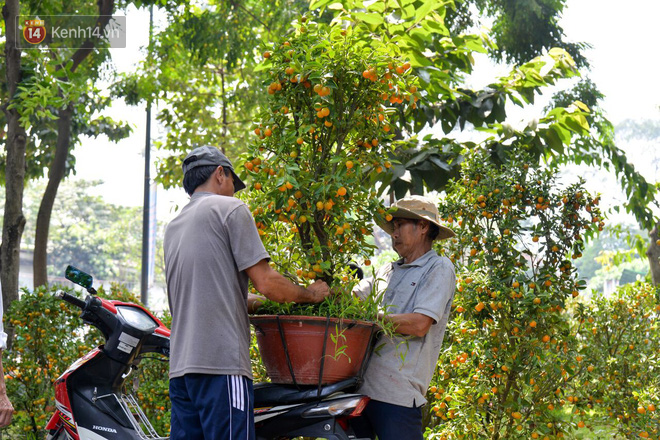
424,225
219,173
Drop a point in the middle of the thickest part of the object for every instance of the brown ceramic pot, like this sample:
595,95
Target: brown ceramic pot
303,337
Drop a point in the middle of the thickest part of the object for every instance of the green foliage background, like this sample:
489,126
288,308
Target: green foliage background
594,376
48,337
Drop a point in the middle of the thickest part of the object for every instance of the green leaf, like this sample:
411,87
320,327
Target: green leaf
435,27
377,7
398,171
475,44
583,122
577,123
553,139
261,67
426,7
424,75
417,59
318,4
373,19
408,12
582,106
420,157
440,163
420,35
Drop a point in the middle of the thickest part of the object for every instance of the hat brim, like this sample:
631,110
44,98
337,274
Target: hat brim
388,227
238,183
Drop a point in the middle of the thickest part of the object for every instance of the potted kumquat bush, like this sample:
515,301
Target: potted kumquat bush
316,165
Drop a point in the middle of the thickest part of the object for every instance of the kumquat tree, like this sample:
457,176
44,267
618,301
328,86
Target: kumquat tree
321,145
47,340
510,349
619,338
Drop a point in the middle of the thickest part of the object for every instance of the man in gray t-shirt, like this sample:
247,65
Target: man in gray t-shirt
212,249
418,291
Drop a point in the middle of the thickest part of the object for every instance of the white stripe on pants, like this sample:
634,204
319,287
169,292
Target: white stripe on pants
237,392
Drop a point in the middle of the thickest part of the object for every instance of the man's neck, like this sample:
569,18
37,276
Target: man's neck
417,253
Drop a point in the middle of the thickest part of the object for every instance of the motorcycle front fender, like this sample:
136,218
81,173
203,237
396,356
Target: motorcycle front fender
54,421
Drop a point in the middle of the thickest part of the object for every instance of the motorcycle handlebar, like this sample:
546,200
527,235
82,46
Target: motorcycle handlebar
72,300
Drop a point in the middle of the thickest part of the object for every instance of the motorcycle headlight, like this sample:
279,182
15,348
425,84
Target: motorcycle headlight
137,318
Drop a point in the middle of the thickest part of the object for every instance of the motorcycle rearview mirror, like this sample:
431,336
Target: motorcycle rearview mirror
356,271
79,277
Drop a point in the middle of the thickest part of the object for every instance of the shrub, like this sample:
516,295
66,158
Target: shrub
48,337
619,352
321,147
510,348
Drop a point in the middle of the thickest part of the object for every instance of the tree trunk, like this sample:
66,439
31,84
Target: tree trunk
14,221
56,173
653,254
58,167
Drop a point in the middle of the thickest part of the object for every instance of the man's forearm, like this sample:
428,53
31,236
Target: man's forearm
3,387
276,287
410,324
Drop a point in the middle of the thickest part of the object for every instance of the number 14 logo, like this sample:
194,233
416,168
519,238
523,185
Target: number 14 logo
34,31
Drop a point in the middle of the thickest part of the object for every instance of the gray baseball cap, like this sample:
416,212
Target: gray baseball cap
208,155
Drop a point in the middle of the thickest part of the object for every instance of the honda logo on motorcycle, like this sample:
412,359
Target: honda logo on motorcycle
104,428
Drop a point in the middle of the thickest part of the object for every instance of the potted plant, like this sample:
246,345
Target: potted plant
319,154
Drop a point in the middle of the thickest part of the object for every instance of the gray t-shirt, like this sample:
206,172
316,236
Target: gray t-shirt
400,370
207,248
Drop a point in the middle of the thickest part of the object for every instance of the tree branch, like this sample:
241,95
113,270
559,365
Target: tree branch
106,8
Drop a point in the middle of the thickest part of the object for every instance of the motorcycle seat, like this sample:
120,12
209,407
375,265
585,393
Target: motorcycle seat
268,394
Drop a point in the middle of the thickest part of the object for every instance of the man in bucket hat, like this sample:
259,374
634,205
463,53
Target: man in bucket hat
418,290
212,249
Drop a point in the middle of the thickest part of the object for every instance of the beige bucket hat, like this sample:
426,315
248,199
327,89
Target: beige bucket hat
417,207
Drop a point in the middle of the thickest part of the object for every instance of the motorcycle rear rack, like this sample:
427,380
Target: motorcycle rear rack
136,416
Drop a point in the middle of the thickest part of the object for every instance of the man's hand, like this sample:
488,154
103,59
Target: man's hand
6,410
320,289
254,302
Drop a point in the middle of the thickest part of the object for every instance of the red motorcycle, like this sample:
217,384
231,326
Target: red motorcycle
92,402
